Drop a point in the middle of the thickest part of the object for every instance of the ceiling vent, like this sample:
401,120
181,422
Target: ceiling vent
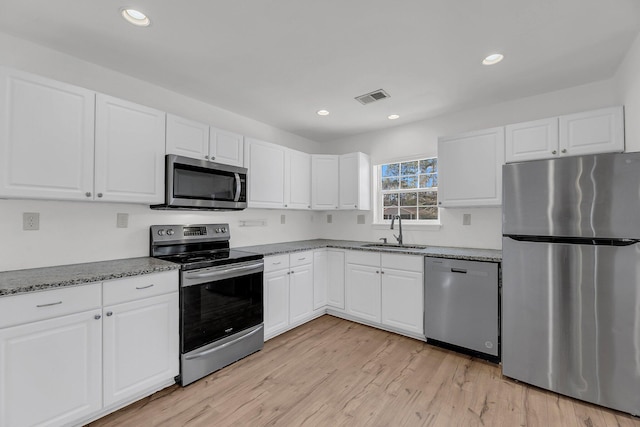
374,96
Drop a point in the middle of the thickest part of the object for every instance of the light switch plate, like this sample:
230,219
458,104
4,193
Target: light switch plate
122,220
360,219
329,218
466,219
283,219
31,221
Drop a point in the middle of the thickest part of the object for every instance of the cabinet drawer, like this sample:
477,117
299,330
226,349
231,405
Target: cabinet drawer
26,308
403,262
276,262
136,287
300,258
363,258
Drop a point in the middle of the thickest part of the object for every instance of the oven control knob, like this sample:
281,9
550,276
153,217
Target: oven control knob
224,230
160,232
170,232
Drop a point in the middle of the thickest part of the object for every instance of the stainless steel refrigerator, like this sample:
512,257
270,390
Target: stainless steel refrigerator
571,277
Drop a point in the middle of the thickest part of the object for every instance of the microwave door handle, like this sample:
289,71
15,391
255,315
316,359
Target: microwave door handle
238,187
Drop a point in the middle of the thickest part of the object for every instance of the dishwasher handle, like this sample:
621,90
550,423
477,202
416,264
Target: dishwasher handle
458,270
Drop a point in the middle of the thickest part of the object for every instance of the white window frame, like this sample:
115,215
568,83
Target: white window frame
378,221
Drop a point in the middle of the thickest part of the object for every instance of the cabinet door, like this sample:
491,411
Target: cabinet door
226,147
141,346
324,182
402,300
298,180
266,174
592,132
335,278
46,138
300,293
51,371
470,169
355,181
363,292
130,142
187,138
276,302
532,140
320,271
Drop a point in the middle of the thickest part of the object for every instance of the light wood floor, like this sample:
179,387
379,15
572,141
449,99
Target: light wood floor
331,372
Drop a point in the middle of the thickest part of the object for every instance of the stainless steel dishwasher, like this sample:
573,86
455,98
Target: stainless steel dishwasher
462,304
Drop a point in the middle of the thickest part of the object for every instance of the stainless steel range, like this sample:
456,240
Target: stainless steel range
221,296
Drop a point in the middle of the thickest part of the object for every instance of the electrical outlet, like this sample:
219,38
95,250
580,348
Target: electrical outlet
329,218
122,220
30,221
360,219
466,219
283,219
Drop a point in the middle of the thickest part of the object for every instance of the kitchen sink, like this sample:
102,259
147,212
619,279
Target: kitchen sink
393,246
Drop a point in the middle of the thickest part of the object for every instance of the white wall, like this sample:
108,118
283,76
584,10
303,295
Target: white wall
419,139
73,232
627,81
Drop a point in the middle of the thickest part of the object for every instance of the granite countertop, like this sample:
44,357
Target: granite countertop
488,255
46,278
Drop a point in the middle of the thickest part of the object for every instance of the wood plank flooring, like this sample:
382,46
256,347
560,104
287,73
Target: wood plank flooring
332,372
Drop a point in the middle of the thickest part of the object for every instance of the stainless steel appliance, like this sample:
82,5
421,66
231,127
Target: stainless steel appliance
221,296
571,277
461,304
200,184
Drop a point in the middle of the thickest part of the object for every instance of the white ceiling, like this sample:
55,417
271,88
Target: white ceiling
279,61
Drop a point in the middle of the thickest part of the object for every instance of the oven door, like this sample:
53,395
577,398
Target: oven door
218,302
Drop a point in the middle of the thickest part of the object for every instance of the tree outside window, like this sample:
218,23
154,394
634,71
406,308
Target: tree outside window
409,189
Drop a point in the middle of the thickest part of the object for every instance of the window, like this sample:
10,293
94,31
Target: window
408,189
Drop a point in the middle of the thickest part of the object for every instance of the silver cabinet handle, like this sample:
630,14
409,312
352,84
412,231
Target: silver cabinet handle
288,272
564,150
377,272
97,317
213,157
109,313
286,206
144,287
381,272
206,157
49,304
302,259
88,194
99,194
554,152
276,263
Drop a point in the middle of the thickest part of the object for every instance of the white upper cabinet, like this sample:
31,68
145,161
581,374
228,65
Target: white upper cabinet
470,169
187,138
200,141
325,170
531,140
590,132
297,180
355,181
226,147
46,138
130,147
266,164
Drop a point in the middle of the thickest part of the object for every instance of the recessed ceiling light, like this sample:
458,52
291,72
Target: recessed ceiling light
393,117
322,112
136,17
493,59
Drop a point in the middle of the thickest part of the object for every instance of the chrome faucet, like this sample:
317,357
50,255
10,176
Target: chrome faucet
399,236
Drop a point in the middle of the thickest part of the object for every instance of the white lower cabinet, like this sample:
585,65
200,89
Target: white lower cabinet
140,346
386,289
70,354
328,278
288,291
50,371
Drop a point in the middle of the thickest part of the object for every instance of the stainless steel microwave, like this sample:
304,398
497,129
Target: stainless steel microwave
200,184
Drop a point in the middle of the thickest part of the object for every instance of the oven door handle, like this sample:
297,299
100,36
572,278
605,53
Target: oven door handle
238,187
227,344
190,279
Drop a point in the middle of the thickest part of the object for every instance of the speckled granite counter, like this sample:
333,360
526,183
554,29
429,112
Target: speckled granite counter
39,279
489,255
